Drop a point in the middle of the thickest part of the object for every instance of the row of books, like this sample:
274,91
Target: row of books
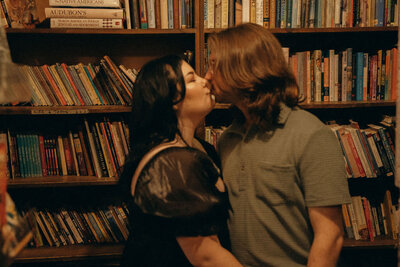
94,149
329,75
68,226
364,219
81,85
301,13
368,152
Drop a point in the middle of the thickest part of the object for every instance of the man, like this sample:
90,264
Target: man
283,167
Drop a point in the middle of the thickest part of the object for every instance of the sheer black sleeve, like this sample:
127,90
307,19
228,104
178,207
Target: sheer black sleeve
178,188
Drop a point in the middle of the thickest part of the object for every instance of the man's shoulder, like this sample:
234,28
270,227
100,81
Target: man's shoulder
304,121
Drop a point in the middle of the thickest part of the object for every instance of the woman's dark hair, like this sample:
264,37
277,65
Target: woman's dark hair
158,87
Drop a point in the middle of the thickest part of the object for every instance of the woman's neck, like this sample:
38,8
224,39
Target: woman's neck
187,133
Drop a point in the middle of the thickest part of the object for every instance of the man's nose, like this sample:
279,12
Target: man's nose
208,75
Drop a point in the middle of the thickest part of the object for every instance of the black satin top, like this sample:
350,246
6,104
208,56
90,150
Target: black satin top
175,196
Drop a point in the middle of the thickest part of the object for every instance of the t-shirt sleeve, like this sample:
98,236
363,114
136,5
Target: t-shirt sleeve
178,189
322,170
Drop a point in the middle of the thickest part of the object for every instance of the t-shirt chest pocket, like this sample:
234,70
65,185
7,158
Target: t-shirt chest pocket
275,184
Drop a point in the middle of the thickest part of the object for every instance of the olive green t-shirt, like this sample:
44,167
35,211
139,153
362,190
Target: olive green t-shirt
272,177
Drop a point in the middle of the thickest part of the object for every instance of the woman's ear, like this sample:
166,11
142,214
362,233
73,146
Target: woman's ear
175,107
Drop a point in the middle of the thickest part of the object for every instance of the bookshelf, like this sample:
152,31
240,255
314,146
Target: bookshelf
135,47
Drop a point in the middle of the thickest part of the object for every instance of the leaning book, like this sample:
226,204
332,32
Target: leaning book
86,23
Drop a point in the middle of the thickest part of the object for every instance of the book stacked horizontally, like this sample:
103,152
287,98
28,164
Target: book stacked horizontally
100,14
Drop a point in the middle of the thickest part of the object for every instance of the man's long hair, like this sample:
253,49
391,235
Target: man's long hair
250,61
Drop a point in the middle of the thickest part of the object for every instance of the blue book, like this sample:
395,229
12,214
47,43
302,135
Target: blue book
21,155
379,12
171,14
93,85
359,75
278,14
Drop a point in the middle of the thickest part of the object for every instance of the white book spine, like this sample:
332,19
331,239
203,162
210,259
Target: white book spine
259,12
127,15
89,13
210,13
224,14
86,23
336,78
164,14
337,13
151,14
331,75
344,82
86,3
246,11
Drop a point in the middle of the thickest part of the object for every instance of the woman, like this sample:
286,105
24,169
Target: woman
176,197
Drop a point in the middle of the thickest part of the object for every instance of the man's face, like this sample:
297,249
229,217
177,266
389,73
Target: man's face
218,87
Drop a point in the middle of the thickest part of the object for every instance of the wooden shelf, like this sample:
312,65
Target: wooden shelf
61,181
350,104
62,110
69,253
379,242
333,105
101,31
323,30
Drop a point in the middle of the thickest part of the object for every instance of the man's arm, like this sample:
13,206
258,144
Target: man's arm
328,235
206,251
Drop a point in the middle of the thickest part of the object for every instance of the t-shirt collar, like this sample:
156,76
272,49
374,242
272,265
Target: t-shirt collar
237,126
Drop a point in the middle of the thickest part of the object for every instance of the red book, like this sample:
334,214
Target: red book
54,85
368,218
68,156
3,178
356,157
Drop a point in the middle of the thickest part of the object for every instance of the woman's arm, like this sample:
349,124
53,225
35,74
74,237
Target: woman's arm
206,251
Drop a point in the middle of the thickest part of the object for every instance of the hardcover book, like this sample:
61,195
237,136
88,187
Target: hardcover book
86,23
88,13
86,3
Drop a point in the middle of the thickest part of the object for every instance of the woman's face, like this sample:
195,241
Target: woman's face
198,101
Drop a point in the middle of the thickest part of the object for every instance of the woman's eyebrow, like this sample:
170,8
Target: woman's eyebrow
189,73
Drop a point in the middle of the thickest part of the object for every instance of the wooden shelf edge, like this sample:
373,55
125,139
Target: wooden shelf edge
379,242
61,181
327,105
62,110
70,253
100,31
349,104
323,30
